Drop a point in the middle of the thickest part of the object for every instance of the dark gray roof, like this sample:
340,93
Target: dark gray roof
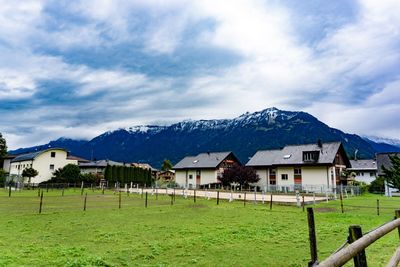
100,163
293,155
33,155
383,159
363,164
202,161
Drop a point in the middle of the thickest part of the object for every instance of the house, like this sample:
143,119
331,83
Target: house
6,162
168,175
364,169
203,169
314,166
383,160
44,161
97,167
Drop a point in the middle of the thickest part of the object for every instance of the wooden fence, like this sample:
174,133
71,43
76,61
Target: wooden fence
357,243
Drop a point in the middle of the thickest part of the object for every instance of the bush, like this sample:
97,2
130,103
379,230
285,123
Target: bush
377,186
363,186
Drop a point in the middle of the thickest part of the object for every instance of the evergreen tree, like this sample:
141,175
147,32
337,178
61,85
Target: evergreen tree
166,165
392,175
108,173
3,146
114,172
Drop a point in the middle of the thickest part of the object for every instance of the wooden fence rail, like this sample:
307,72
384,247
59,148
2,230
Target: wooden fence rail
356,249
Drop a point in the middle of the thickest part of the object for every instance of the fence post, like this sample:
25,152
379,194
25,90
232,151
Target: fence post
172,199
218,197
84,203
194,196
244,199
62,193
341,202
9,190
298,198
156,193
377,207
82,189
397,215
312,237
270,203
355,232
102,190
41,202
119,200
145,203
303,203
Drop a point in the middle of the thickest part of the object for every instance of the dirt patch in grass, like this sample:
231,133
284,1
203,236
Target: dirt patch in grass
325,210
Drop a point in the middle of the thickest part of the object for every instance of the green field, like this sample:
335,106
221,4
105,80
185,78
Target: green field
186,233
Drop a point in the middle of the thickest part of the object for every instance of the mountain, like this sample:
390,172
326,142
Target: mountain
244,135
383,144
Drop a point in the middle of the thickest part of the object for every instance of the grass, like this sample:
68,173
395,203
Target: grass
187,233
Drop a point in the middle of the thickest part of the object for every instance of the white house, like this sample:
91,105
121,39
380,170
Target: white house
45,162
203,169
364,169
312,166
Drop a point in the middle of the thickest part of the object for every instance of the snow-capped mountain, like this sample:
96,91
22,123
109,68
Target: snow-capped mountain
267,129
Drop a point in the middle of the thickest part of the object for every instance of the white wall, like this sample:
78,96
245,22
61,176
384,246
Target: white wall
311,175
317,175
6,165
365,176
180,177
207,176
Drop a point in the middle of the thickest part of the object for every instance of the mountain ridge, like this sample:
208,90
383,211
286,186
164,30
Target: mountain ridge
270,128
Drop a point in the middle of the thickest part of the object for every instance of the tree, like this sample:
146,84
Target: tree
242,175
166,165
3,146
29,173
392,175
71,173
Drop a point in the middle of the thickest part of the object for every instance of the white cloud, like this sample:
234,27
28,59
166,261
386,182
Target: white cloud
350,79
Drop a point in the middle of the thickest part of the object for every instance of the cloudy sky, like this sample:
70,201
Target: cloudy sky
79,68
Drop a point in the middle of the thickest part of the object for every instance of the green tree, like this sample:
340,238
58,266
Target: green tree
2,177
71,173
3,146
29,173
108,173
166,165
392,175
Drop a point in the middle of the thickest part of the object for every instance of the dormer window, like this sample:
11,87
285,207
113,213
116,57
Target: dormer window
310,156
53,154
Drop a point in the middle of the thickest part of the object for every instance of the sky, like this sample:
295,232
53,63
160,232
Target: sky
79,68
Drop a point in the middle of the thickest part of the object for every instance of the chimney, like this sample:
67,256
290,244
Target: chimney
319,143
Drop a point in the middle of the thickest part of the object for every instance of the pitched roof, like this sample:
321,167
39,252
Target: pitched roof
33,155
363,164
70,157
383,159
100,163
202,160
293,155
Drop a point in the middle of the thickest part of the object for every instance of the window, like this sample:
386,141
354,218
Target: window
53,154
190,176
371,174
310,156
272,172
52,167
197,172
297,171
284,177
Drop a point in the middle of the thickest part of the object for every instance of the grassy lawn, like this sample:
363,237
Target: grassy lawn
187,233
